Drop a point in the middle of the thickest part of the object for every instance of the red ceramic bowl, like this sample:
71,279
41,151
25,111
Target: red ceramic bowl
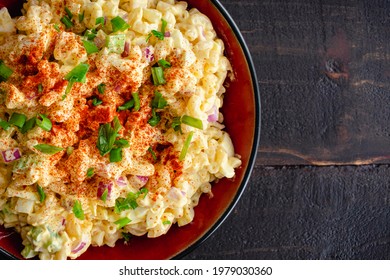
242,119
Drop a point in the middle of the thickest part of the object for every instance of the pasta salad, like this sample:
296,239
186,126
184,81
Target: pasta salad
110,122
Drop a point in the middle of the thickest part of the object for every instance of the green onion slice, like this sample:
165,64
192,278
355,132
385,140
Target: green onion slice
155,119
4,124
159,101
104,195
17,119
81,16
78,210
90,47
69,13
48,149
67,21
40,88
122,222
90,34
121,143
41,193
90,172
101,88
44,122
77,74
158,76
116,155
56,27
166,222
186,145
100,20
191,121
128,105
5,72
119,24
163,63
28,125
96,101
150,150
137,104
107,135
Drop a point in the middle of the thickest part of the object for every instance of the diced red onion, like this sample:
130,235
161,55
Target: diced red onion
126,51
167,34
143,179
102,187
149,54
11,155
175,194
105,20
63,221
79,247
213,117
99,42
121,182
118,88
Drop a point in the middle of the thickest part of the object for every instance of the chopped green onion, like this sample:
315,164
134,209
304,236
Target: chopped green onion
90,172
96,101
99,20
116,155
158,101
69,150
163,25
158,76
90,47
104,195
56,27
77,74
101,88
45,123
4,124
176,124
166,222
90,34
128,105
107,135
69,13
116,43
119,24
155,119
121,143
48,149
41,193
40,88
150,150
163,63
28,252
159,34
186,145
17,119
66,21
126,236
81,16
137,104
5,72
28,125
78,210
122,222
130,201
191,121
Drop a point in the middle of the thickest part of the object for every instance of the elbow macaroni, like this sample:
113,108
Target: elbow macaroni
150,188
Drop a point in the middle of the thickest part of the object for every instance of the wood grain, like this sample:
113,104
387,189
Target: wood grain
307,213
324,75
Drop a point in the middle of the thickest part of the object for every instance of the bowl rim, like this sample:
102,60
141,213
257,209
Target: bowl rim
256,136
255,144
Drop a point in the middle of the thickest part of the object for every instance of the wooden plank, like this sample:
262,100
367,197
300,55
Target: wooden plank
307,213
324,74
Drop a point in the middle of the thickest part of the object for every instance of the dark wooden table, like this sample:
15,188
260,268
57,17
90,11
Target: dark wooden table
321,185
320,188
